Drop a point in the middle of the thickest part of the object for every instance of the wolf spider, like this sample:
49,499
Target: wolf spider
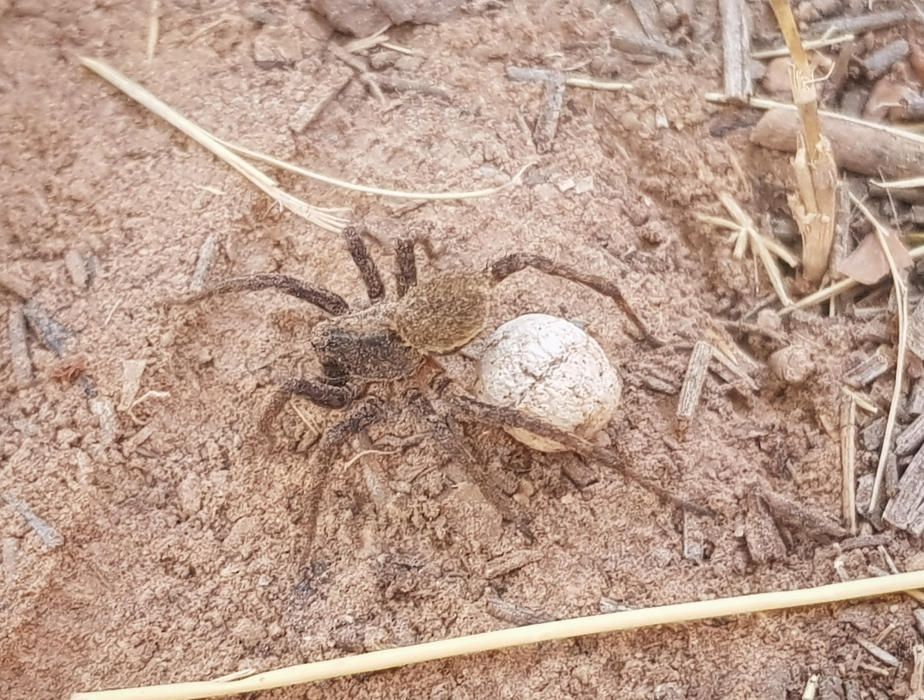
391,340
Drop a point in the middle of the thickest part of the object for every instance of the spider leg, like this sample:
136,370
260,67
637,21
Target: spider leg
515,262
324,299
469,409
405,265
449,437
308,500
364,262
319,391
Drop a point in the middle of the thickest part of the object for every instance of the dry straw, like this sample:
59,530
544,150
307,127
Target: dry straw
814,202
329,219
519,636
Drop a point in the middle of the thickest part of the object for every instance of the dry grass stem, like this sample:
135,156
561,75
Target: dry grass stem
907,184
812,44
760,247
324,218
814,204
518,636
839,287
401,49
371,189
365,453
901,297
861,401
153,28
580,81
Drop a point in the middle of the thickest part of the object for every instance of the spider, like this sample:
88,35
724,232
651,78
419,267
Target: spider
390,341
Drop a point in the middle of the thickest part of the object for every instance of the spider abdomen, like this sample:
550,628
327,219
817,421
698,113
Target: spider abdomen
443,313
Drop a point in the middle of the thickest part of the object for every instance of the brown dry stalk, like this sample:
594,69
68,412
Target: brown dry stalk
814,204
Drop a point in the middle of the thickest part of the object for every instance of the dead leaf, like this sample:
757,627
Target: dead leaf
868,264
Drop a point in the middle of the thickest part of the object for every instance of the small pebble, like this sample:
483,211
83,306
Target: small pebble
792,364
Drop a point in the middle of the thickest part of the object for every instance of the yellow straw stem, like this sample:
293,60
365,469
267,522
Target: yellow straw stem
519,636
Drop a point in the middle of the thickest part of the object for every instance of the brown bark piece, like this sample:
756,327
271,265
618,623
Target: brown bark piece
904,508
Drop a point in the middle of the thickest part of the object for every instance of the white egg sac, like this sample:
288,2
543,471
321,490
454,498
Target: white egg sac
553,370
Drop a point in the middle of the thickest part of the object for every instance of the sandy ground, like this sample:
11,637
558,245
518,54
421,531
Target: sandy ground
180,558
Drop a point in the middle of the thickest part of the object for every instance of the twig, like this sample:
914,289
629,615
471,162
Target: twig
879,62
861,401
816,525
543,75
362,70
513,613
860,24
877,651
910,439
547,122
694,379
811,44
580,81
401,49
907,184
399,84
324,218
870,368
365,453
848,429
632,43
901,297
519,636
322,93
736,43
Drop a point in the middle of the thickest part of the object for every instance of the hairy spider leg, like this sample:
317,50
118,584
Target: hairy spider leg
405,265
472,410
324,299
308,500
451,440
319,391
515,262
368,270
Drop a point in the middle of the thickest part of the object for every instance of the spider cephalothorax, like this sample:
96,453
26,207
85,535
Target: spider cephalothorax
389,341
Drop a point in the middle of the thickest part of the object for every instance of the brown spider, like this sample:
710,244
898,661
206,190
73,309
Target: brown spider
390,341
